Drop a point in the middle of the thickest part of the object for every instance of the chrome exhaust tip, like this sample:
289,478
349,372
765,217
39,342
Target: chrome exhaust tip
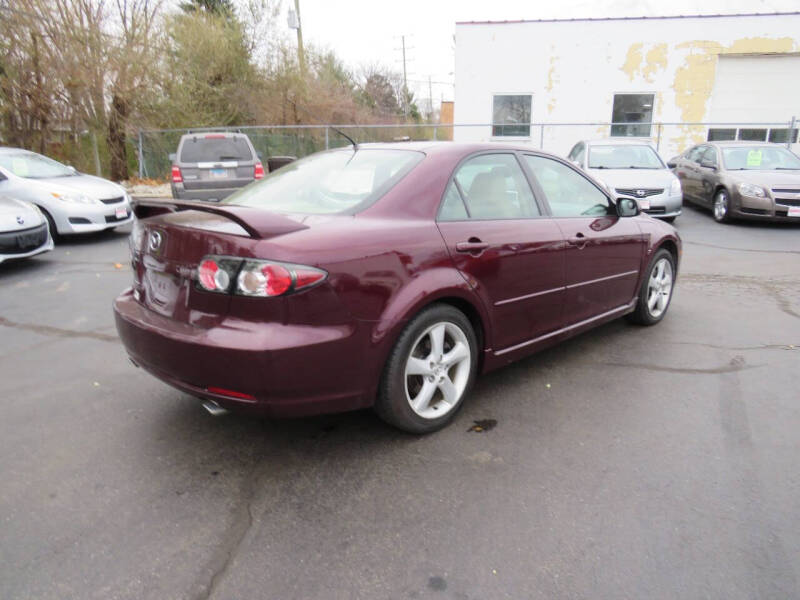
214,409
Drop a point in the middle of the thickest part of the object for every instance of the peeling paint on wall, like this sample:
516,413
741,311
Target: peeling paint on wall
552,79
655,60
633,60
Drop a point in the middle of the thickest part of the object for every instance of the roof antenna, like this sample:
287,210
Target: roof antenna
336,129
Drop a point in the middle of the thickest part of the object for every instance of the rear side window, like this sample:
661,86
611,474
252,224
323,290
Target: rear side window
489,186
215,149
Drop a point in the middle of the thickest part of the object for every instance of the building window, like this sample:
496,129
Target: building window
632,108
721,135
781,136
753,135
511,116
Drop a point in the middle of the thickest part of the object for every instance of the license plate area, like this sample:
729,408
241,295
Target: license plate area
218,173
121,212
161,291
644,204
794,211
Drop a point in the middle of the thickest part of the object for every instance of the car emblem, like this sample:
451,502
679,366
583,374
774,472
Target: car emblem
20,221
155,240
641,193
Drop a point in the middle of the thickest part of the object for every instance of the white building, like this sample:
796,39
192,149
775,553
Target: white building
683,80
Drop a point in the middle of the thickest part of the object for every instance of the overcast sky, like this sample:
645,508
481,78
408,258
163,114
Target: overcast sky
367,31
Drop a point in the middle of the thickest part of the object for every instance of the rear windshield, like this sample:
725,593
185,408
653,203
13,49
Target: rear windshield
758,158
215,149
329,182
615,156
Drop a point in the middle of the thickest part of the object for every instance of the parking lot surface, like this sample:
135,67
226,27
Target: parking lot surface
629,462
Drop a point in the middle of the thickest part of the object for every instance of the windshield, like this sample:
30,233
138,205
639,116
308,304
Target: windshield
759,158
215,148
328,182
624,157
34,166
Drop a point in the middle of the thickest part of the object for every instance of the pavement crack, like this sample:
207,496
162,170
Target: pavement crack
770,286
742,249
51,331
733,366
741,348
234,536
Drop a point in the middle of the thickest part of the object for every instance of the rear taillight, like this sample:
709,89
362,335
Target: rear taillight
176,174
258,173
258,278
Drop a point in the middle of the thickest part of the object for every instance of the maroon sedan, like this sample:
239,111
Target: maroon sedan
386,276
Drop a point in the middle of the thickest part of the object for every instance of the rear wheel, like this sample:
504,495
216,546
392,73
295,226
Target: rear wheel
429,371
656,291
721,207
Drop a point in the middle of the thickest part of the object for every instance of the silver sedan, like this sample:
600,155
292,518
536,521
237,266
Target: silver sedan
71,202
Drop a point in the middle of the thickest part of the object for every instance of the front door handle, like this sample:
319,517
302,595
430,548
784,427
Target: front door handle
579,241
473,246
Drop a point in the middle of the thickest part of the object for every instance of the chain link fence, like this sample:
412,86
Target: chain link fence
155,146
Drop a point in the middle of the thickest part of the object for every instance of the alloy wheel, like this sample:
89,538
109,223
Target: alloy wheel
720,206
659,288
437,370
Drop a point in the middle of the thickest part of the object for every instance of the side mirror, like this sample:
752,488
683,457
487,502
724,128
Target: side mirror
671,164
172,157
627,207
708,165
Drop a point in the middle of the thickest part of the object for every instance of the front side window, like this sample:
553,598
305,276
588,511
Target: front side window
695,153
617,156
329,182
630,110
569,193
489,186
511,116
33,166
709,157
743,158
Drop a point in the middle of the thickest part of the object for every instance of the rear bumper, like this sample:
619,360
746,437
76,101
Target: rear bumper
179,192
290,370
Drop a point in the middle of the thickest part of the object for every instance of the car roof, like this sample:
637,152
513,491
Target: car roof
734,143
444,147
12,150
620,142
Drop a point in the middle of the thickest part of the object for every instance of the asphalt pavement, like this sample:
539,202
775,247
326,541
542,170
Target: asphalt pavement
629,462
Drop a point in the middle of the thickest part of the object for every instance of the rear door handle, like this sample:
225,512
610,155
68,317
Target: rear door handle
474,245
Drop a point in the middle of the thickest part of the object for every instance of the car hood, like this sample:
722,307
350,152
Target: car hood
94,187
768,179
13,210
634,178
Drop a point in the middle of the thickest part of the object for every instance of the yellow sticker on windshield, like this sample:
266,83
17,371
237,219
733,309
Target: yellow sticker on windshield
20,167
754,158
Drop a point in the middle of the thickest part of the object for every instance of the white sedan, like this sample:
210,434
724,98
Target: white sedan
23,230
71,202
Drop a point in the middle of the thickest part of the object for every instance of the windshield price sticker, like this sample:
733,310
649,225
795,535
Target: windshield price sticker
754,158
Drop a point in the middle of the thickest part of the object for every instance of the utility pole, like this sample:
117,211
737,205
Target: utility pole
430,98
301,56
405,79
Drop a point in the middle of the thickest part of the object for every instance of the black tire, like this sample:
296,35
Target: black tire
51,225
721,214
643,314
393,404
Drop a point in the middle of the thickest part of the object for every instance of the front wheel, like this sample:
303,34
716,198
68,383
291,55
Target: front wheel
722,207
429,371
656,291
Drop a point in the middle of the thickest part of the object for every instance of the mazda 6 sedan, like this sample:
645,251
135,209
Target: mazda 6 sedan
385,276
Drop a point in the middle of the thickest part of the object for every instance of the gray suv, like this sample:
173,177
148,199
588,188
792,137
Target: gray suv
211,166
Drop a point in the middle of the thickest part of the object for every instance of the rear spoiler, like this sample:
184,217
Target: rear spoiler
258,223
